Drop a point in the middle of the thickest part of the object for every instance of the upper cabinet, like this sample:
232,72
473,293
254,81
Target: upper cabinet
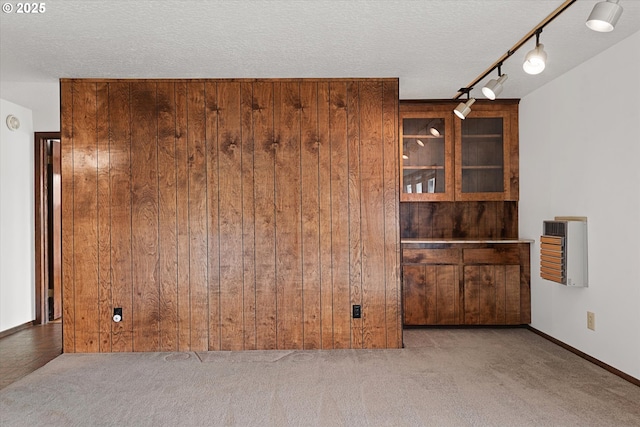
445,158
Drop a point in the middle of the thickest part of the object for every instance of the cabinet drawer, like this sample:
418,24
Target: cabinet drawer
431,256
502,255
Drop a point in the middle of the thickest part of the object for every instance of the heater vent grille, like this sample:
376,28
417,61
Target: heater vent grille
563,252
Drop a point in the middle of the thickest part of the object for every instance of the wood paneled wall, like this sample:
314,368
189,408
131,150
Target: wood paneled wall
459,220
230,214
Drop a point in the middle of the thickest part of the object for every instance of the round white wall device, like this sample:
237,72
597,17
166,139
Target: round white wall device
13,123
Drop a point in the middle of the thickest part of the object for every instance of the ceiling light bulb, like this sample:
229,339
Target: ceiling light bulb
604,16
420,143
494,87
535,60
404,156
464,108
434,131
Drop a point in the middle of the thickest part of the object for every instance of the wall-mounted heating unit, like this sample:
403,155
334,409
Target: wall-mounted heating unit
563,251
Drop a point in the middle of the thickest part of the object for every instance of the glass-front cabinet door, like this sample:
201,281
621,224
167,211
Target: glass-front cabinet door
444,158
482,157
426,152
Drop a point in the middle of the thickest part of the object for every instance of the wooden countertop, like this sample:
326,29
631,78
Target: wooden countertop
441,241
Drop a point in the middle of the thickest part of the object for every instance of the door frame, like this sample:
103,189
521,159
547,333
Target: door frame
42,232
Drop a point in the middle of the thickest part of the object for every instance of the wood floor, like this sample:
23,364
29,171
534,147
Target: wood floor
27,350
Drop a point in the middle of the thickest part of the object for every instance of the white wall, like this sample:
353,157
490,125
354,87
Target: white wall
580,155
41,97
17,250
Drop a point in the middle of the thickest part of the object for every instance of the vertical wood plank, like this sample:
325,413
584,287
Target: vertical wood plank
485,219
500,288
56,232
525,283
355,210
414,301
198,238
167,235
512,295
447,291
120,203
144,216
230,214
310,194
264,163
445,223
182,215
391,196
373,268
248,217
213,209
104,219
487,294
514,155
325,210
288,220
472,282
85,221
341,309
68,250
430,294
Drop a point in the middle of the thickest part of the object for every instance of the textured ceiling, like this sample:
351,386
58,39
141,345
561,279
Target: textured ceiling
433,46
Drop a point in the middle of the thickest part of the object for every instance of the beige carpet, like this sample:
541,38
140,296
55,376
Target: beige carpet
445,377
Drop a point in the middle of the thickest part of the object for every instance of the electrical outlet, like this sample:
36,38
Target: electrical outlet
591,320
357,312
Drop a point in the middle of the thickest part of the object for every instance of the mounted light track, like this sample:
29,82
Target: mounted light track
553,15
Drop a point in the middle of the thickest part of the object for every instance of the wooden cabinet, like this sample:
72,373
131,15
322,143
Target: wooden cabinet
431,288
445,158
466,283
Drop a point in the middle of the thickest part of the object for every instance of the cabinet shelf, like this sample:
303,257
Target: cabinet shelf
422,167
425,136
483,136
491,167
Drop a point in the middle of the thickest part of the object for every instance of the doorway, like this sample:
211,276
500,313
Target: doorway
48,228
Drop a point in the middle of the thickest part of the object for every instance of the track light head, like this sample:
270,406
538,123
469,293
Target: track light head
494,87
434,127
464,108
604,16
535,61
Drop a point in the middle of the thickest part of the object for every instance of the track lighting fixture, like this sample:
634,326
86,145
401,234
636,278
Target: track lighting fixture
420,143
494,87
434,127
464,108
604,16
535,60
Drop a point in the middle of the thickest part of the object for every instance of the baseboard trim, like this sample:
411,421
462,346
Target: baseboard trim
16,329
624,376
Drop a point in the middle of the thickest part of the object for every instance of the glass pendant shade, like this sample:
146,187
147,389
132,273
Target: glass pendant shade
604,16
535,60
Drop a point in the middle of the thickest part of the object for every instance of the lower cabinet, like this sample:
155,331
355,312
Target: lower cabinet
466,283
